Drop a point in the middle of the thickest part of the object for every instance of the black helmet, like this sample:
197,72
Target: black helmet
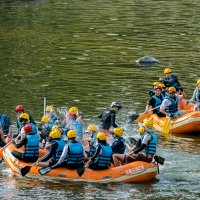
116,104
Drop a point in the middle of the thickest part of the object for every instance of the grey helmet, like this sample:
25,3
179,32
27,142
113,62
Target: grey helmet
116,104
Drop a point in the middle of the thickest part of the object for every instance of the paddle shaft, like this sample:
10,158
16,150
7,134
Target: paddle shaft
45,103
150,110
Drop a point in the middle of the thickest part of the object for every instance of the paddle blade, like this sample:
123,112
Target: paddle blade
25,170
80,171
142,117
44,170
159,159
166,128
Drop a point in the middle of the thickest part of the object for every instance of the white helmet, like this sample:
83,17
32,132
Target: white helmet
116,104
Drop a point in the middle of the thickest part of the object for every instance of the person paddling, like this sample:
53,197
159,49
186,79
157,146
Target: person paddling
169,106
196,97
56,147
73,153
145,148
30,141
102,157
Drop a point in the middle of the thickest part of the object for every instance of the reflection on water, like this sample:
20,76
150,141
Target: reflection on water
83,53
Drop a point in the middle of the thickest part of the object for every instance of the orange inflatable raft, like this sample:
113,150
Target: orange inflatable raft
188,123
133,172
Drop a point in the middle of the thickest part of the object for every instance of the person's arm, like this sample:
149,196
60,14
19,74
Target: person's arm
193,96
23,142
113,123
96,153
63,155
164,104
100,116
84,153
51,152
2,136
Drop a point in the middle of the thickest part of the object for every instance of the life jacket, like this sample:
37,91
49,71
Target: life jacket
158,103
34,128
32,146
151,147
173,107
5,123
104,158
92,147
122,148
75,153
172,81
197,96
61,144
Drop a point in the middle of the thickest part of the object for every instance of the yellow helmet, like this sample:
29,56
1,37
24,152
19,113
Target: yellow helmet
73,110
162,85
173,89
156,83
101,136
198,82
45,119
24,116
92,128
55,127
118,131
141,130
167,70
71,134
148,123
55,134
49,109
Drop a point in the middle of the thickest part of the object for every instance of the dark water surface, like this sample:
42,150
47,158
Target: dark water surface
83,53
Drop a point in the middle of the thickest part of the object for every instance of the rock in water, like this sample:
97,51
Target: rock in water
147,60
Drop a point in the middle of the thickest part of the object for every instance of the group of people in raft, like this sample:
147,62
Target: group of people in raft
64,141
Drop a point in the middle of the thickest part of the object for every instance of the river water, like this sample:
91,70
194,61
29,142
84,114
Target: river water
83,53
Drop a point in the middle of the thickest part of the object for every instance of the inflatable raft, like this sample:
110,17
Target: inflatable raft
189,123
133,172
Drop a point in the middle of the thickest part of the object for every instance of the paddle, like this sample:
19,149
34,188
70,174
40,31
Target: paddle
144,115
132,140
25,170
159,159
45,170
166,128
81,170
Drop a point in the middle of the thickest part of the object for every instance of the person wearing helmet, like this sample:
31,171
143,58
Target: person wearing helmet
196,97
30,141
19,110
73,121
103,155
73,152
44,128
108,116
24,119
54,119
155,102
118,145
145,148
55,149
170,79
169,106
92,131
152,92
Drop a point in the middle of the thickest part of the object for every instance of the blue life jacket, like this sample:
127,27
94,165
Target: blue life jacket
172,81
151,147
197,96
34,128
61,144
75,153
122,148
173,107
5,123
158,103
92,147
32,146
104,158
